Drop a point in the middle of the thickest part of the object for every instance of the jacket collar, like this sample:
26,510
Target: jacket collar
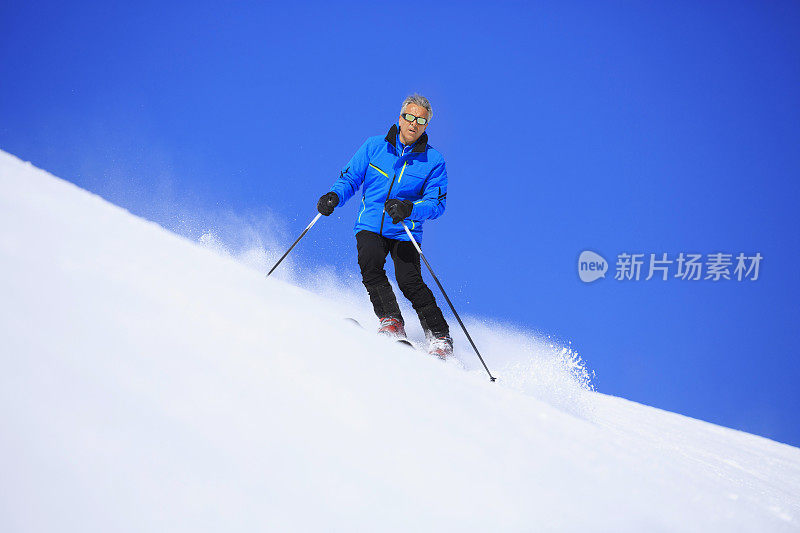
419,147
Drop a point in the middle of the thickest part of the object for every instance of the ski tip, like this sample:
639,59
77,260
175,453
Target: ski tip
354,322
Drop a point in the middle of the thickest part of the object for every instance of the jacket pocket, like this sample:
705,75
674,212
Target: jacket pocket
411,186
379,170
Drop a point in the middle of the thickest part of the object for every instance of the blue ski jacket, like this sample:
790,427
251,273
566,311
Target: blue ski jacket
386,168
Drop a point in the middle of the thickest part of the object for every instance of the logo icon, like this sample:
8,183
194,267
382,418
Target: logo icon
591,266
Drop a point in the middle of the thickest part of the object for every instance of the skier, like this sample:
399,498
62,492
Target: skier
402,178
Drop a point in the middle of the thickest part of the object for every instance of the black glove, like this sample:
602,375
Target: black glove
398,209
327,202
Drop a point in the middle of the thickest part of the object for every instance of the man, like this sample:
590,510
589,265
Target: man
403,180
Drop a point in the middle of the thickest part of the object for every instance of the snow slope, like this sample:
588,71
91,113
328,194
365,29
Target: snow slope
151,384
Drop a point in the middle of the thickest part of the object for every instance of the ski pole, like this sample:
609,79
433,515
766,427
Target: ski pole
295,242
414,242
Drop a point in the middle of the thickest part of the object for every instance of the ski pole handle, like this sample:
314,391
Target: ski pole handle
295,242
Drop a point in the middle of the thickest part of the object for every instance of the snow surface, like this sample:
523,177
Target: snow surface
151,383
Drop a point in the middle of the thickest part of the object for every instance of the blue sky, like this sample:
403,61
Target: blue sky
641,128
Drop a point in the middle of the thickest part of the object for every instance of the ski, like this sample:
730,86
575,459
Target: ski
404,342
354,322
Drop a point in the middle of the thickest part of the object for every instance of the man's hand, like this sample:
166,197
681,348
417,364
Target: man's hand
398,209
327,202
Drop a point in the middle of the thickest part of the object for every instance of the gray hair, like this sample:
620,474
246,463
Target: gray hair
419,100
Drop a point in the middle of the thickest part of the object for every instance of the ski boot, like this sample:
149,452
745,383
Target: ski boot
441,346
392,327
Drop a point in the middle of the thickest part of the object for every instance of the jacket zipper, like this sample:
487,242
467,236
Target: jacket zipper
383,215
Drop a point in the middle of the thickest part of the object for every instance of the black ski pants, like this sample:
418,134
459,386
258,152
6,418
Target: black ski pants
372,252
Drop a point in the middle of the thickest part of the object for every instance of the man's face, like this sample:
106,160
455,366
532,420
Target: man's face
411,131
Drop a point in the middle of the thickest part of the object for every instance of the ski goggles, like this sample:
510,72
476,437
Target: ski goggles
411,118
